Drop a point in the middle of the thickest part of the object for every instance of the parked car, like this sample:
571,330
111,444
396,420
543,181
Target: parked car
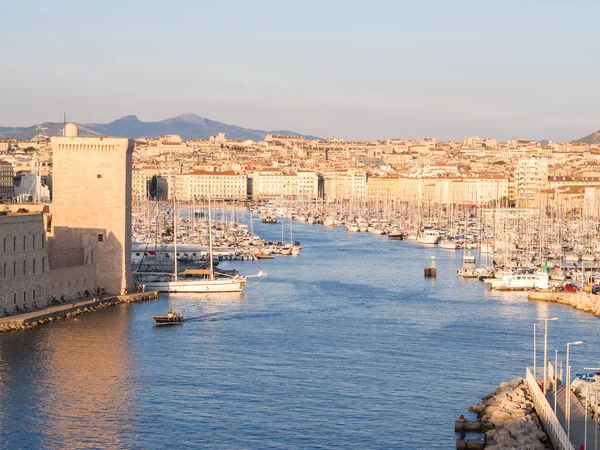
571,287
596,289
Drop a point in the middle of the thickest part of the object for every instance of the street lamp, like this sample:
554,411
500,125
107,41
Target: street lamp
534,353
555,377
568,390
546,351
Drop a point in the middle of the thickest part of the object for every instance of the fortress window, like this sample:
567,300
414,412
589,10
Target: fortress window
33,242
4,245
100,237
33,266
99,175
14,269
15,298
43,264
24,238
15,244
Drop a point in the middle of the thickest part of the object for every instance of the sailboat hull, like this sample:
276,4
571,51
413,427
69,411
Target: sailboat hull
235,284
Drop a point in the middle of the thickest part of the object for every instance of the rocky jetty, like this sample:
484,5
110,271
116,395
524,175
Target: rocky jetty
511,410
581,300
75,311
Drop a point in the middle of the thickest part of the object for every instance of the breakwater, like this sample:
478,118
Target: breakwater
582,301
510,408
48,315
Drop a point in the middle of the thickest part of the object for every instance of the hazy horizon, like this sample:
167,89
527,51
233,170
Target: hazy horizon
331,69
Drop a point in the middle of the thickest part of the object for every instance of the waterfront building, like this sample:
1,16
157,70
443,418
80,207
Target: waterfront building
383,187
202,183
275,183
345,185
92,226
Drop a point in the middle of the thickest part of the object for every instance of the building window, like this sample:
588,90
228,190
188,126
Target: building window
43,264
43,240
99,176
100,237
4,270
24,297
24,240
33,266
15,298
33,242
34,294
4,245
14,269
15,244
24,267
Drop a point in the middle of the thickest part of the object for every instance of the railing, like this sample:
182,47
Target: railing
557,434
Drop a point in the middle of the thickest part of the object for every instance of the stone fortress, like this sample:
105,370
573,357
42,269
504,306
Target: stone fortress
83,240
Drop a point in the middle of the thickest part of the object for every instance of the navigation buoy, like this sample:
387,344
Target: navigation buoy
431,271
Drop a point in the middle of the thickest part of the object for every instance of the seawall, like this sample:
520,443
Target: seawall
581,300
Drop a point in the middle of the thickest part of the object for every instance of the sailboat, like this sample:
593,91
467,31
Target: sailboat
193,280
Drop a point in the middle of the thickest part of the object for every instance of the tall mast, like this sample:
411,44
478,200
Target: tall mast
210,249
175,238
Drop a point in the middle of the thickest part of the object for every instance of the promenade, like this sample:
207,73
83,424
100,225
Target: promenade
577,435
49,313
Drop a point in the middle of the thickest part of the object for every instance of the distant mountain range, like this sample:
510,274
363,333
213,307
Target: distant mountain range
188,126
593,138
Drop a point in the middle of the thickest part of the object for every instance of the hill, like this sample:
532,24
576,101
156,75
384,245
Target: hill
593,138
188,126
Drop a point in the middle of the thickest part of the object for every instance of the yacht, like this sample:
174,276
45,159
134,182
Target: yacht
428,237
520,282
193,280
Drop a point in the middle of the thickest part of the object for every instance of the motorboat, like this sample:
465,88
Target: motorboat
171,318
428,237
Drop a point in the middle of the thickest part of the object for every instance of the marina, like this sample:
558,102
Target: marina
327,351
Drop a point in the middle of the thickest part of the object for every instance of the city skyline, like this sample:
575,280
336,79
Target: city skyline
350,70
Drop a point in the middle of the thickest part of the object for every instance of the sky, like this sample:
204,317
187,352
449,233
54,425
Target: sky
350,69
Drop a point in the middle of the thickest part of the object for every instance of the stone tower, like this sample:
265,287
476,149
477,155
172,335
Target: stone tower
91,206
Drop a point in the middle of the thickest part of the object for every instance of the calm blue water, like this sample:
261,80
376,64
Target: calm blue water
346,346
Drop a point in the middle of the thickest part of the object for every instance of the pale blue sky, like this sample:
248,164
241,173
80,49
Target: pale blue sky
349,69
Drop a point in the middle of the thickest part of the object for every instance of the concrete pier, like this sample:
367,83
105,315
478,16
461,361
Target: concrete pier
71,308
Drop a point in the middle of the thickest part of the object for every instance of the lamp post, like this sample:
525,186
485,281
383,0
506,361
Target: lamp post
555,381
568,390
546,351
534,353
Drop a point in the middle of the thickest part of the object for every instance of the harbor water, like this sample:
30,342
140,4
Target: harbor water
346,346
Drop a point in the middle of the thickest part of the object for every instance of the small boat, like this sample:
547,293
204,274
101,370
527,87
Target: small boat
263,255
171,318
270,219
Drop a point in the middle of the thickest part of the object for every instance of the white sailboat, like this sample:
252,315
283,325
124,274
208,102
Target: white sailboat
193,280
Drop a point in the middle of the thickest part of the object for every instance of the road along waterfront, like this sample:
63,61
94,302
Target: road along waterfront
346,346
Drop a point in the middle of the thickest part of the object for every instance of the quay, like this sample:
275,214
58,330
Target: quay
72,308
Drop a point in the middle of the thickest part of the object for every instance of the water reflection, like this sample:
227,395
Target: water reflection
74,383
